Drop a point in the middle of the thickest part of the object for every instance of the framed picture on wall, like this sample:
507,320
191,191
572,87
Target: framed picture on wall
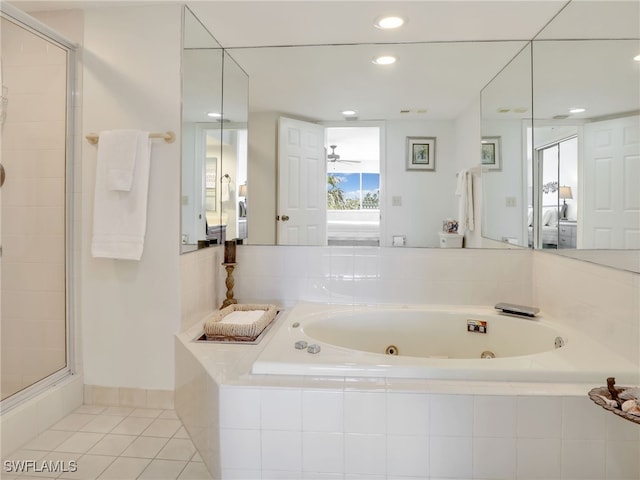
421,153
491,153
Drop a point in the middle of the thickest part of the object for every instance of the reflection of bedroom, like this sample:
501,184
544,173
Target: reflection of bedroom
559,197
353,186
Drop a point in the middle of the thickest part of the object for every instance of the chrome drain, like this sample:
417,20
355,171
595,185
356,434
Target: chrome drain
487,354
391,350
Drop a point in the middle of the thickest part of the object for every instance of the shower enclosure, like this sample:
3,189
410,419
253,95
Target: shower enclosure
36,72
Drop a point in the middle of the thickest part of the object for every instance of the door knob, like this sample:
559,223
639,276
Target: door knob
285,218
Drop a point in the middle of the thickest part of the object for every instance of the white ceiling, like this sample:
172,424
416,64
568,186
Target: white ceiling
311,59
326,67
270,23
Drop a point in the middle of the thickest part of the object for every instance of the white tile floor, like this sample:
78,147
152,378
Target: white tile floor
96,442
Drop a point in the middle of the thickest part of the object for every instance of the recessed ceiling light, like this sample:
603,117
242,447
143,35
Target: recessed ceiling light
389,22
349,113
214,114
637,58
384,60
577,110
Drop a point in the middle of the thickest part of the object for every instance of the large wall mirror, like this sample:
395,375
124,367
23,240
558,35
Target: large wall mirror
582,146
506,110
355,186
532,158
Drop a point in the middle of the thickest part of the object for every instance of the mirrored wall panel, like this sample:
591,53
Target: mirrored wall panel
234,189
214,157
586,91
506,111
202,61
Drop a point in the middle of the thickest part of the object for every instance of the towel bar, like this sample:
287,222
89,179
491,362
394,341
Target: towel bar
168,137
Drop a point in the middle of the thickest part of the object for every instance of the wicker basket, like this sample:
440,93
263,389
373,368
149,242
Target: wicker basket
216,329
604,391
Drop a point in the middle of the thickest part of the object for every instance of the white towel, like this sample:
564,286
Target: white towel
120,217
119,149
464,190
243,318
225,195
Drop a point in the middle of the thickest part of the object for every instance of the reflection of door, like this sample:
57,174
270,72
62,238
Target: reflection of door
611,171
302,197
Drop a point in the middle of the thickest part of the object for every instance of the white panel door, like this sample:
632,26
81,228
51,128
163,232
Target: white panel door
611,216
302,184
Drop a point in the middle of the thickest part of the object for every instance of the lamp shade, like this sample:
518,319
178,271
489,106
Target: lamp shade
565,192
243,191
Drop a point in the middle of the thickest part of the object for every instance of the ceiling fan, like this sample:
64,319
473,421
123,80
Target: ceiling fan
334,157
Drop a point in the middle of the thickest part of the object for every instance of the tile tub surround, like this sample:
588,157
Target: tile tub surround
251,426
287,275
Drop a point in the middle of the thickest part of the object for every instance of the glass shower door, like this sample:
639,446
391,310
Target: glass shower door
33,207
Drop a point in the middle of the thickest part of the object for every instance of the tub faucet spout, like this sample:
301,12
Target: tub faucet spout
519,310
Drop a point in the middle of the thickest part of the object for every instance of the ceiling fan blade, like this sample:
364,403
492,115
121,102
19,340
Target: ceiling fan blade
349,161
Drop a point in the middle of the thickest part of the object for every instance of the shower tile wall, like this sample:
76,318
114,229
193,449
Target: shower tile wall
33,209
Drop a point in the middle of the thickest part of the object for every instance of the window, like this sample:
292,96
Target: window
353,191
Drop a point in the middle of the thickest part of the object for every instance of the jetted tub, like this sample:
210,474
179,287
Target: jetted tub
435,342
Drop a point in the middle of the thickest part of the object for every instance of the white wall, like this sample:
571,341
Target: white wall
131,309
428,197
603,302
501,220
261,178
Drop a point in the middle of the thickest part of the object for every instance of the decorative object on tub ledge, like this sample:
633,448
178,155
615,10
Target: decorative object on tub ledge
623,401
239,322
519,310
168,137
229,251
229,282
229,264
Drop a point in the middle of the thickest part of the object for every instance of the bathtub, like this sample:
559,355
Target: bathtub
435,342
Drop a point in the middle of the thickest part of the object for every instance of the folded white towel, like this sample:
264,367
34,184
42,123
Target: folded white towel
119,149
243,318
120,216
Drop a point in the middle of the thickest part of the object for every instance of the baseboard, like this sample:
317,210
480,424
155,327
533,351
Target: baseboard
128,397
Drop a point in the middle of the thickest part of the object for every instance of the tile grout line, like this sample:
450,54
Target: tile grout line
167,415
